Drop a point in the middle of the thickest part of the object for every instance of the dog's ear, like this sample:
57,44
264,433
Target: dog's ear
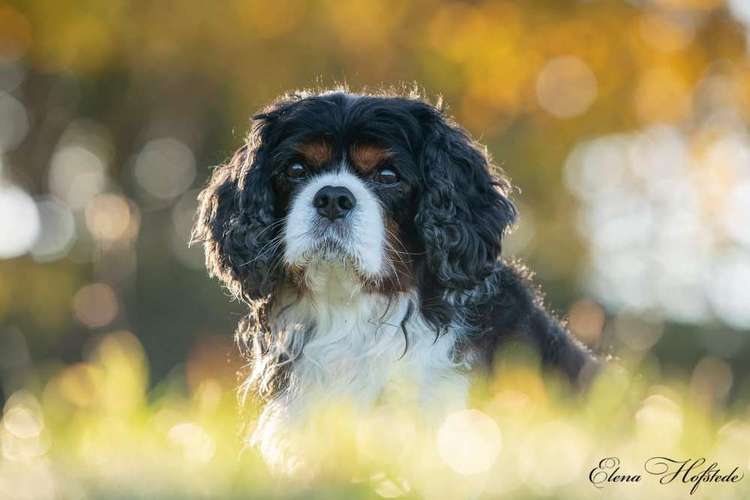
463,211
236,219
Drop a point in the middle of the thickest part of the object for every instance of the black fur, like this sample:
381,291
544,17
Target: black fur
451,210
236,221
508,307
462,212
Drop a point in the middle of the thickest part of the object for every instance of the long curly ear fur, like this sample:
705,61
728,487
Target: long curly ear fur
235,221
463,211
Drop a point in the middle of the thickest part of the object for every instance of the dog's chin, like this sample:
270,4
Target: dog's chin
331,251
330,256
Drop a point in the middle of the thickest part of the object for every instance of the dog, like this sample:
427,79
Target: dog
364,231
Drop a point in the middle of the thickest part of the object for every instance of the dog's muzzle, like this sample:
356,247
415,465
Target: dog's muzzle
336,218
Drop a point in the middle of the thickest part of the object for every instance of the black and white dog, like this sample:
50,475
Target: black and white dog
365,231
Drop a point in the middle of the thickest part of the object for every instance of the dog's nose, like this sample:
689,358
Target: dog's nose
334,202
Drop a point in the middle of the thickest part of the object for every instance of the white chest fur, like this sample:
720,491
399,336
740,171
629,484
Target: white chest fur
360,348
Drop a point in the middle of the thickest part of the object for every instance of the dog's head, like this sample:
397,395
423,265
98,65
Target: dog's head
387,186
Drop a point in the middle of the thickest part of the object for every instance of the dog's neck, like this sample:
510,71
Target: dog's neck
360,348
355,340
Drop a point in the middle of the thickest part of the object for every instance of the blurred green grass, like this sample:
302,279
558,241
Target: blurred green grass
92,430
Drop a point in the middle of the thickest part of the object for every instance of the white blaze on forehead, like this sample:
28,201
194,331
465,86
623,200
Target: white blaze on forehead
365,229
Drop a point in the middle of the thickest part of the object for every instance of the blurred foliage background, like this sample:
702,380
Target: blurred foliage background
623,125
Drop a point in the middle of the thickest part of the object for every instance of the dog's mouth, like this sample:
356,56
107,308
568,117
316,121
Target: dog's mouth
325,230
329,248
329,243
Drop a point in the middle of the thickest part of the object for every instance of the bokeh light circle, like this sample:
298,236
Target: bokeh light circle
165,168
566,87
19,222
58,230
77,174
469,442
95,305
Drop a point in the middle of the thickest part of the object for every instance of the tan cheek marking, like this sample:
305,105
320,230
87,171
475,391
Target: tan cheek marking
367,158
316,154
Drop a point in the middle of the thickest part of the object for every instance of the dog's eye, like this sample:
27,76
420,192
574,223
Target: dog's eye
296,171
386,176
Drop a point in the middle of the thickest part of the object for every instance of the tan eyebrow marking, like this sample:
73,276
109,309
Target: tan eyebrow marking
316,153
367,157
